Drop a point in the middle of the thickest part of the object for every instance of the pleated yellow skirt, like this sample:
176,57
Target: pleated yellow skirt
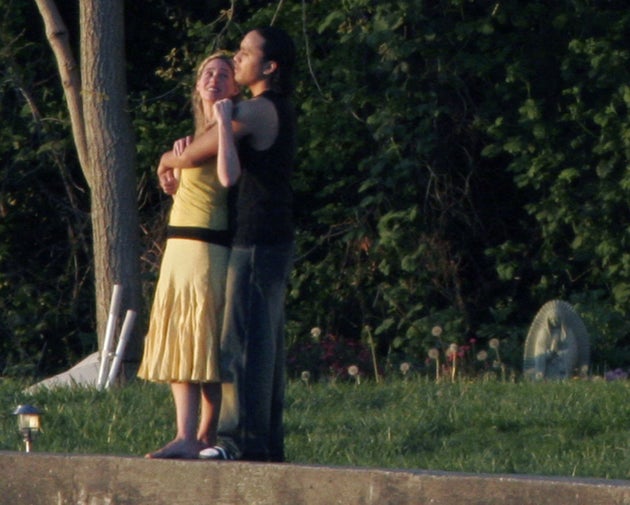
182,342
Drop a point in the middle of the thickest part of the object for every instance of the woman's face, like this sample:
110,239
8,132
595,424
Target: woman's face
216,81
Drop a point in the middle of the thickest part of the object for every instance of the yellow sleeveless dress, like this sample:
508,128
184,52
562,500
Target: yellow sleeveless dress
182,341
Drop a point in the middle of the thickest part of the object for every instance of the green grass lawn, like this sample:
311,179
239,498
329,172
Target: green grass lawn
577,428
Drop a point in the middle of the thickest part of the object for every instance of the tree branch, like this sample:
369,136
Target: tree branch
57,35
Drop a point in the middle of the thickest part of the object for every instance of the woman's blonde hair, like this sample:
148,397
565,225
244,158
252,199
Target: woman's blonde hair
201,124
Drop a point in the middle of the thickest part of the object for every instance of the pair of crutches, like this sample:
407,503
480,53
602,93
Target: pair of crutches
110,361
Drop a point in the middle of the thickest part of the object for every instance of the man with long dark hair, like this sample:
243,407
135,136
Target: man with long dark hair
252,343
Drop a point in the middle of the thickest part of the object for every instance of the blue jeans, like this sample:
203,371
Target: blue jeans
252,350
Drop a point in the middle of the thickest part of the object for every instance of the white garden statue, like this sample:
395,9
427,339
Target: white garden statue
557,344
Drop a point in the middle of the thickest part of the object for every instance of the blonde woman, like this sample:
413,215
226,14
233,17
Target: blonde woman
182,342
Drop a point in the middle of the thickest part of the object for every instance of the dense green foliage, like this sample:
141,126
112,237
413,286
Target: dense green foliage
461,162
574,428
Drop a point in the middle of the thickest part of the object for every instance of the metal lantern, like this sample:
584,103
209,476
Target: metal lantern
29,423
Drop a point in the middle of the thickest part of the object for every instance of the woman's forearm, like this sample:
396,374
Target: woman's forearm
228,163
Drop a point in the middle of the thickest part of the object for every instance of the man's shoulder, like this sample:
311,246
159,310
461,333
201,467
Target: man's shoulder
255,106
256,113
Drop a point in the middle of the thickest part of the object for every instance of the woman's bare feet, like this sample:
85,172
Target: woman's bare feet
177,449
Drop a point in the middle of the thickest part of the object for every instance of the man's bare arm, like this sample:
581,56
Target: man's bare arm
256,117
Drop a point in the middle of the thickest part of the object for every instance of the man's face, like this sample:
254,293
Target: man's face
249,63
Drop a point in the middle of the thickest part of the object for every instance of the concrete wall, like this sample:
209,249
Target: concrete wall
55,479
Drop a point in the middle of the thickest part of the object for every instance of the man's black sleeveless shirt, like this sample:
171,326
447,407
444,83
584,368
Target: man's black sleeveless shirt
264,206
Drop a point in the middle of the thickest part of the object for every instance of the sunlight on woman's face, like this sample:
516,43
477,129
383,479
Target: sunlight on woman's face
216,81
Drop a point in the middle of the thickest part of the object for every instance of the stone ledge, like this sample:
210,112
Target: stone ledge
57,479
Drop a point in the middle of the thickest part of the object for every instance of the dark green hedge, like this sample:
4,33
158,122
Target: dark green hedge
461,163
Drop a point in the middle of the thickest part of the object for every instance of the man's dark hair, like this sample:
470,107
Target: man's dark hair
279,47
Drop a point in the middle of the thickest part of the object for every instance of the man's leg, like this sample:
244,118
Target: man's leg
234,324
264,366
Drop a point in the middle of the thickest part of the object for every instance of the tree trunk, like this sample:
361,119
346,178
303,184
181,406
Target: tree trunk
111,156
105,144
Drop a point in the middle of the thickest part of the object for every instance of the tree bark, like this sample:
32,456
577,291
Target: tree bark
111,157
103,135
